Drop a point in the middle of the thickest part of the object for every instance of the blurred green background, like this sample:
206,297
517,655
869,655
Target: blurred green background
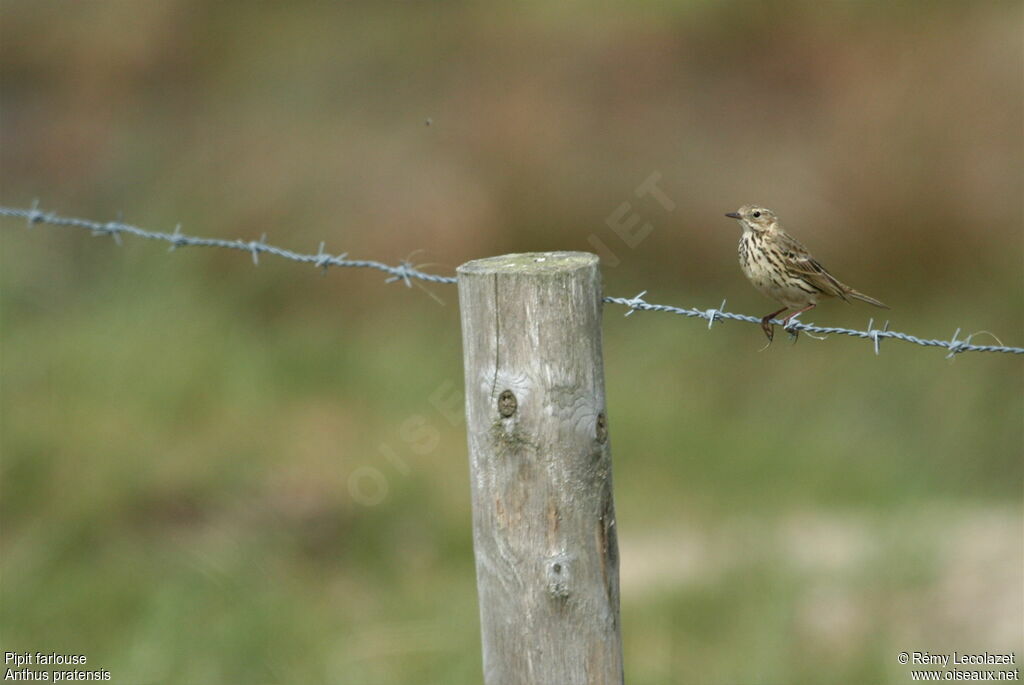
220,473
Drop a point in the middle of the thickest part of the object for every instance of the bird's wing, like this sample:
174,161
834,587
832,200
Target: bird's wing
800,261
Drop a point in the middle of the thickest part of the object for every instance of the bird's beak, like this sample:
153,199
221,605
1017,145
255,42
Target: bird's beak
734,215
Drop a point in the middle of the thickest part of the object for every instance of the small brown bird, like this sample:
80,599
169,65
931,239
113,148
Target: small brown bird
781,268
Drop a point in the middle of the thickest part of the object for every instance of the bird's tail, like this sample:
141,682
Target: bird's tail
864,298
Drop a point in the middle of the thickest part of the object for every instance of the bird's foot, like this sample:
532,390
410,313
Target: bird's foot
768,328
794,333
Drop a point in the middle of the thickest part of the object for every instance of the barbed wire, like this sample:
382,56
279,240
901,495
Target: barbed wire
406,272
876,335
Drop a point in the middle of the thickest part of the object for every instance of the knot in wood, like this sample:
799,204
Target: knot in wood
602,428
507,403
559,577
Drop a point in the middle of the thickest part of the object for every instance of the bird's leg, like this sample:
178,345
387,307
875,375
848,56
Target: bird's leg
788,318
766,324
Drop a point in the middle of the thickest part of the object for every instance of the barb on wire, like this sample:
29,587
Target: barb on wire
406,273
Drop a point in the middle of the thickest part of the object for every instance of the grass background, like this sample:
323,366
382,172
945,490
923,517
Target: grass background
184,436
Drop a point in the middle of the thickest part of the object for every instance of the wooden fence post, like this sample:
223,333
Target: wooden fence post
544,537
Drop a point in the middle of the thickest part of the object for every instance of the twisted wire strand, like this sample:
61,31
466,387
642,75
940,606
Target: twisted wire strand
406,272
875,335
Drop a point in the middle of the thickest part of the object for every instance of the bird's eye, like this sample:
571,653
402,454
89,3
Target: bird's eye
757,214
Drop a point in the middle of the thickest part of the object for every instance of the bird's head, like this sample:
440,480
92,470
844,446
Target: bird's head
754,218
